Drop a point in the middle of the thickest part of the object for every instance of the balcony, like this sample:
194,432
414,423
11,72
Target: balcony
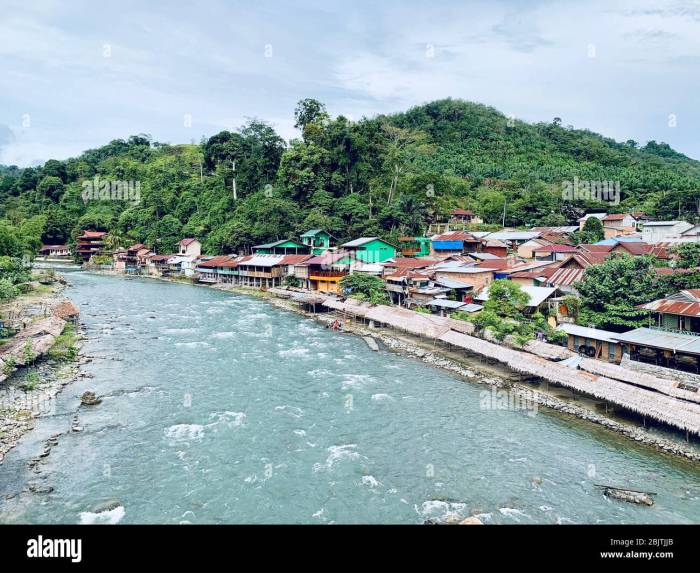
324,275
275,273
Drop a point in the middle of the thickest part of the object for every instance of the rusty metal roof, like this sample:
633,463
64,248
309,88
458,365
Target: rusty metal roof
565,276
684,303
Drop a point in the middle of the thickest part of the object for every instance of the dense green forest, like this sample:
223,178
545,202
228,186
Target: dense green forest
388,175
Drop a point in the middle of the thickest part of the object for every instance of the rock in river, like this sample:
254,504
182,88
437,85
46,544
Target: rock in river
89,399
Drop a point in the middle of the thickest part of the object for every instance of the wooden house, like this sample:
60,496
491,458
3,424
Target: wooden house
317,240
208,270
283,247
679,312
454,243
553,252
592,342
90,243
55,251
324,272
414,246
464,216
619,224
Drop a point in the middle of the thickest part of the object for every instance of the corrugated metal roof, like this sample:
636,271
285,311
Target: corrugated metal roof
215,262
451,283
264,260
328,258
446,303
276,243
586,332
661,223
513,235
295,259
566,276
484,256
537,294
359,242
448,245
555,249
665,340
684,303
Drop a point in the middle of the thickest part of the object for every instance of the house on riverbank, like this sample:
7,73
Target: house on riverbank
679,312
90,243
593,342
55,252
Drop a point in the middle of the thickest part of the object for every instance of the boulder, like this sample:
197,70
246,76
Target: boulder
89,399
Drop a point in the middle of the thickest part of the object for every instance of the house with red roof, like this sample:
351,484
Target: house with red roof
189,247
90,243
464,216
678,312
620,224
55,251
553,252
324,272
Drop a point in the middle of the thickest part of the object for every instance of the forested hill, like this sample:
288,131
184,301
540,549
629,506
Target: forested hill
388,176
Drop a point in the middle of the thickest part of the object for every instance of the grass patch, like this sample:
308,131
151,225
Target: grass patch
64,348
31,381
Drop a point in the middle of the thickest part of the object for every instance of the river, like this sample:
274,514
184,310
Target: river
220,408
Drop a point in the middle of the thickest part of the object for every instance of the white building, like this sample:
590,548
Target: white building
190,247
657,231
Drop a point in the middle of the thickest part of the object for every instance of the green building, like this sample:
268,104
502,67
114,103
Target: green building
371,249
415,246
317,240
283,247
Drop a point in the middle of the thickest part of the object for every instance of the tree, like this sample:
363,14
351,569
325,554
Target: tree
365,287
688,255
592,231
506,299
611,291
309,111
403,147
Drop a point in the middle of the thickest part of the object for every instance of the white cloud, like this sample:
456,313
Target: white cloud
208,60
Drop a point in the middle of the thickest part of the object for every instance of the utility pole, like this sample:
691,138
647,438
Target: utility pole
505,200
233,182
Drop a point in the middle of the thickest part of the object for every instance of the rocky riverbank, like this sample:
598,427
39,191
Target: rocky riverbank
37,362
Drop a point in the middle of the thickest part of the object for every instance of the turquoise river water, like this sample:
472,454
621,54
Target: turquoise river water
220,408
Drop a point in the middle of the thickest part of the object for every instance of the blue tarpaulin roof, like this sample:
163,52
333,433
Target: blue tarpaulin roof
448,245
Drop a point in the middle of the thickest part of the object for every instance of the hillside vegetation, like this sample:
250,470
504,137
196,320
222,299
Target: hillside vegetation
388,175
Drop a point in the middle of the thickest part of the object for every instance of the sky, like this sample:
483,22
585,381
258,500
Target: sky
77,74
